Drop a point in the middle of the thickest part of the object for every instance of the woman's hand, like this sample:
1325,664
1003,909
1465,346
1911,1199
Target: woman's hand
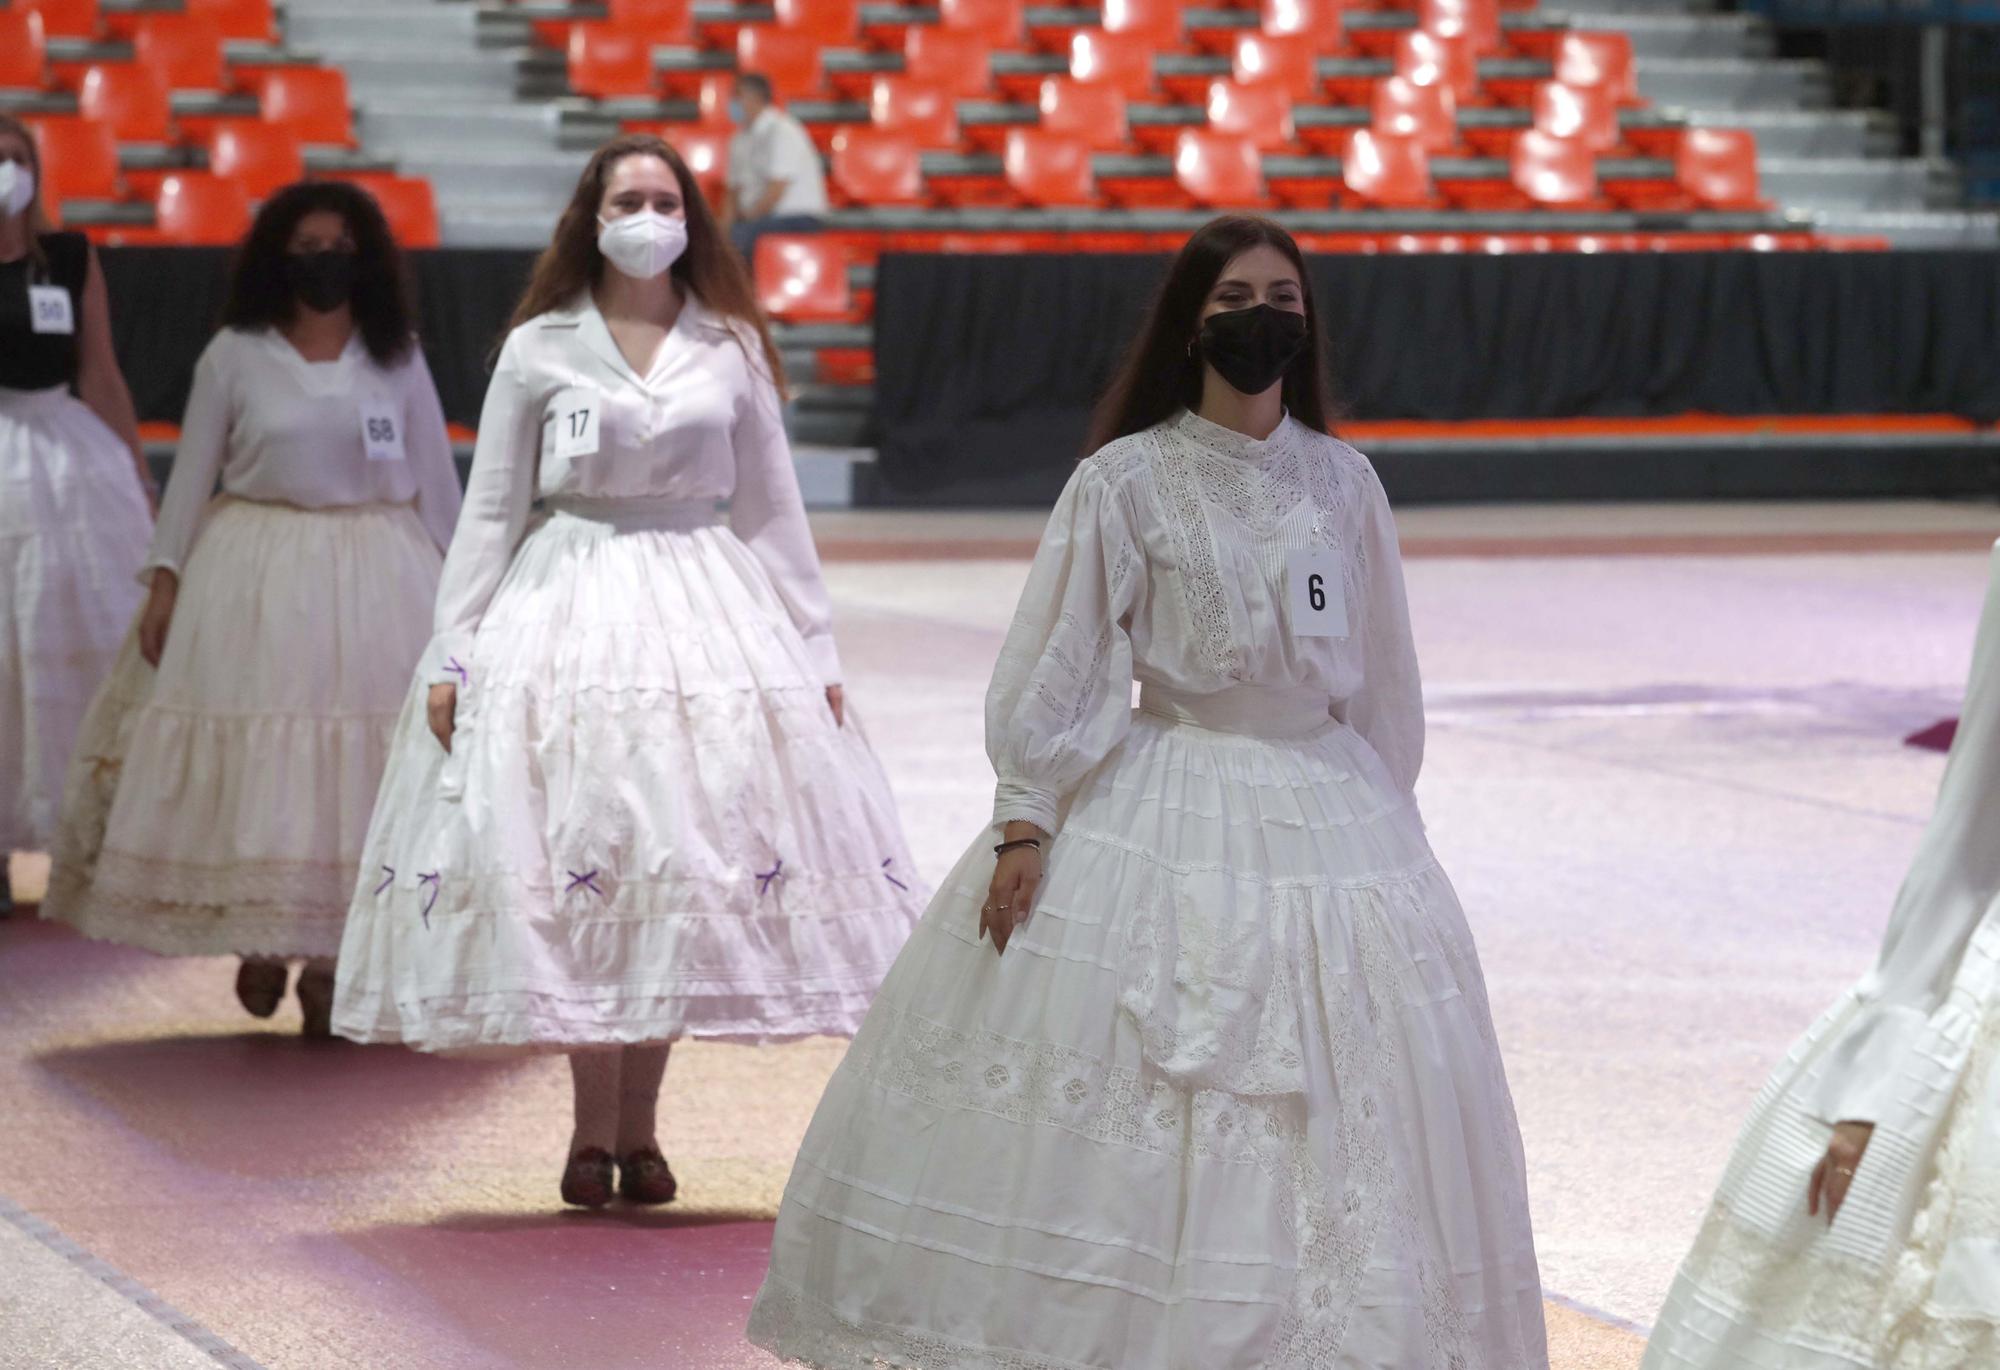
158,615
1835,1171
442,707
1011,897
836,700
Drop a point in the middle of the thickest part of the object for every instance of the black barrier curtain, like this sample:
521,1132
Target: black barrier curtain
987,366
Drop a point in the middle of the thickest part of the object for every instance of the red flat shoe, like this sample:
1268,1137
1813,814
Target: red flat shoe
586,1180
643,1177
260,986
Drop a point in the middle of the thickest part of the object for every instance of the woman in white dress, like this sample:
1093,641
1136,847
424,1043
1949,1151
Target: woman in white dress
1857,1226
73,515
1231,1098
626,804
217,804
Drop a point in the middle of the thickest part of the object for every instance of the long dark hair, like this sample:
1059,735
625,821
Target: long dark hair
260,297
1161,375
34,220
709,269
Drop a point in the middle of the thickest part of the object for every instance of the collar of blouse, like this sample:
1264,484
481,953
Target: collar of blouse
1227,442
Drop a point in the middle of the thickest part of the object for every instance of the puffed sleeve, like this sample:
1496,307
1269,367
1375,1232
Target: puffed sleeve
427,446
1061,696
768,513
198,458
1388,709
494,516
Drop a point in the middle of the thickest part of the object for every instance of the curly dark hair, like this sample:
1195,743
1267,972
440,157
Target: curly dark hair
259,296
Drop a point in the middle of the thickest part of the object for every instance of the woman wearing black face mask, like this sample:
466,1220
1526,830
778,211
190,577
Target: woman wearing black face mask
1231,1096
225,776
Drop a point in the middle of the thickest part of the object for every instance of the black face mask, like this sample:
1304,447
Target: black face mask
322,280
1251,348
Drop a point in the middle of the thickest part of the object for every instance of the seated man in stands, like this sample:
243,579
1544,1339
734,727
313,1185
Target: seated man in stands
776,183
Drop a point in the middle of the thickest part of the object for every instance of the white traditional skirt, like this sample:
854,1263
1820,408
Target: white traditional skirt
73,530
1231,1100
218,805
648,826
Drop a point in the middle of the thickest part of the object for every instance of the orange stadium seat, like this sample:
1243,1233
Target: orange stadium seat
712,97
1156,21
23,50
1597,59
1049,169
835,23
802,278
1290,59
1388,171
1092,111
1429,114
313,100
1586,113
703,147
1219,171
997,21
790,61
1123,61
1718,167
261,157
1476,21
924,112
185,49
408,203
960,61
251,20
1429,59
1556,173
79,157
201,210
875,168
659,22
128,99
1319,20
607,61
1262,113
66,18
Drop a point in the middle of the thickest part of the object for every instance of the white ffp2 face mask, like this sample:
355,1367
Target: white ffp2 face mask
642,245
17,187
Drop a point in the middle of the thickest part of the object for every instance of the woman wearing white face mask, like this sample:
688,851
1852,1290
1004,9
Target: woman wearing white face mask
73,519
624,804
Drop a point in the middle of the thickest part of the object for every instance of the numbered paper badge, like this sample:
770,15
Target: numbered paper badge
49,309
1317,587
575,414
382,430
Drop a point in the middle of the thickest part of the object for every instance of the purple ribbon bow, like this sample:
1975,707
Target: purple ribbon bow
587,881
433,881
464,676
388,878
764,878
888,862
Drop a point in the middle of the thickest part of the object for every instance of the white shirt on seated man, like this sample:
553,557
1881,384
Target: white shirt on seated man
776,182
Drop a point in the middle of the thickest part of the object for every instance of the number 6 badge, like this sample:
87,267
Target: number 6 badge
1317,586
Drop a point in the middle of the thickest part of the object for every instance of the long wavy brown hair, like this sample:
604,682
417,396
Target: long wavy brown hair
709,269
35,220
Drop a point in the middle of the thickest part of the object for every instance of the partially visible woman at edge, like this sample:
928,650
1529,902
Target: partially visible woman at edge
74,491
1231,1097
627,803
225,774
1857,1226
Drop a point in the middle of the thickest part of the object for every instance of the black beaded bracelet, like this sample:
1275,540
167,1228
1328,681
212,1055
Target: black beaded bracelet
1006,847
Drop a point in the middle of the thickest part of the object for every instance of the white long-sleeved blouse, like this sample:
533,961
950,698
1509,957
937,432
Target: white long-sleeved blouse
704,424
1165,562
282,430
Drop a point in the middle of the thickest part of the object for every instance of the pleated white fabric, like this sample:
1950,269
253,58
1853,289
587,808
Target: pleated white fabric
218,805
649,824
73,530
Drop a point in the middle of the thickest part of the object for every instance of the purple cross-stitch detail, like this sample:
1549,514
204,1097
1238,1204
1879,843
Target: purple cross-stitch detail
888,862
764,878
588,881
455,668
388,878
433,881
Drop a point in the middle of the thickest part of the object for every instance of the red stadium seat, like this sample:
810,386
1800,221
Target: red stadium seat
1428,114
1718,167
1262,113
1476,21
1319,20
408,203
79,157
23,50
1092,111
1586,113
1558,173
128,99
712,99
1219,171
1049,169
959,61
1384,170
251,20
1427,59
607,61
1157,21
835,23
1290,59
1597,59
802,278
313,100
1123,61
996,21
874,168
261,157
185,49
790,61
66,18
705,149
925,113
201,210
659,22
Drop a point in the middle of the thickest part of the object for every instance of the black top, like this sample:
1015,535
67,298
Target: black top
31,360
